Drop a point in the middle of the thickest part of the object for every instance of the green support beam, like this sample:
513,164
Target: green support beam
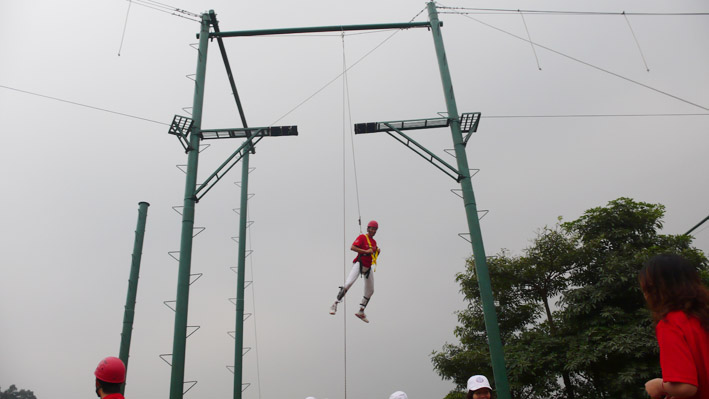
320,29
493,332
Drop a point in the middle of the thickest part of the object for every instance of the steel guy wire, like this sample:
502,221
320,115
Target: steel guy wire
587,63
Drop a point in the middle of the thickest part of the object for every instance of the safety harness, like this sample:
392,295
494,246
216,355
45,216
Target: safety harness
374,254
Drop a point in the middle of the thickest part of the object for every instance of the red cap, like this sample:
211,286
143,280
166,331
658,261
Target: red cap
374,224
111,370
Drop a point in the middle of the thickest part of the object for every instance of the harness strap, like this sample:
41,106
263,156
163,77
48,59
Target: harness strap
374,254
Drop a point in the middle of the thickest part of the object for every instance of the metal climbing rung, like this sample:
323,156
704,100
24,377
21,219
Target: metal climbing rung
196,277
201,229
172,255
192,384
163,356
171,308
193,331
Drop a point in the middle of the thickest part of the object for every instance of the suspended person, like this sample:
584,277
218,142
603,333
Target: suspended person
478,388
110,375
367,251
679,304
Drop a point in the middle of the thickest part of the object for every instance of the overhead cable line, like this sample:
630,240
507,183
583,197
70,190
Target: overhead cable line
483,116
471,10
333,80
166,8
84,105
586,116
585,63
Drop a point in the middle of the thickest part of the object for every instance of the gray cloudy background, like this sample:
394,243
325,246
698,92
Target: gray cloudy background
73,177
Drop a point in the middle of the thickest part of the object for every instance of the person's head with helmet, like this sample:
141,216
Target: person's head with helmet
478,388
398,394
372,228
110,375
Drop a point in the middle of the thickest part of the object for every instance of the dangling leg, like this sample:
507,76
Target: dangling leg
368,292
343,290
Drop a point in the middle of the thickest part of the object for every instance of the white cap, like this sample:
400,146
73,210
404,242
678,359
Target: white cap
398,395
478,381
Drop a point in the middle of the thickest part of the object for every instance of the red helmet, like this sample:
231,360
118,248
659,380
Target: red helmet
111,370
374,224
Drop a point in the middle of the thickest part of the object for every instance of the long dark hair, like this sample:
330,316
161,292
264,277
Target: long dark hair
670,282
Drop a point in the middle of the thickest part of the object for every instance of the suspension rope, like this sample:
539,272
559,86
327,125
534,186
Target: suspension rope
530,40
344,208
333,80
346,102
125,25
636,42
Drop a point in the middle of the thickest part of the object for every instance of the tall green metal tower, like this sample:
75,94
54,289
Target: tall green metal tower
190,133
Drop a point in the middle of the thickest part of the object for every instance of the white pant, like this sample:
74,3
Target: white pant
368,281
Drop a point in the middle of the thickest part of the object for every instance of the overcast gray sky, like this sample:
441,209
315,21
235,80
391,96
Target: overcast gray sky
73,176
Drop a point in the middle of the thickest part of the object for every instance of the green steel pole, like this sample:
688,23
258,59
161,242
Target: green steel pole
241,267
493,332
183,277
129,313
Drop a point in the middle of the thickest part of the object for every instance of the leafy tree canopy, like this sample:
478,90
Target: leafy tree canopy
13,393
572,318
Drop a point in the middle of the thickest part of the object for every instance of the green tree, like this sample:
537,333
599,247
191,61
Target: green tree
598,341
13,393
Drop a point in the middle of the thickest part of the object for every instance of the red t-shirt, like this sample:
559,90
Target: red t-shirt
361,242
684,351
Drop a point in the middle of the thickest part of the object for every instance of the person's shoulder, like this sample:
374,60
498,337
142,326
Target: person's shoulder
677,317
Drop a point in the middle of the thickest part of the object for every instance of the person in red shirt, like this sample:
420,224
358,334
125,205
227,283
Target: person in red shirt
679,304
367,252
110,376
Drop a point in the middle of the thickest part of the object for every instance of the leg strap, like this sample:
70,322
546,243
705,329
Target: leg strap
341,294
365,301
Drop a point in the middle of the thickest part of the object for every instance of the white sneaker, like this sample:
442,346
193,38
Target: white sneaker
333,308
362,316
